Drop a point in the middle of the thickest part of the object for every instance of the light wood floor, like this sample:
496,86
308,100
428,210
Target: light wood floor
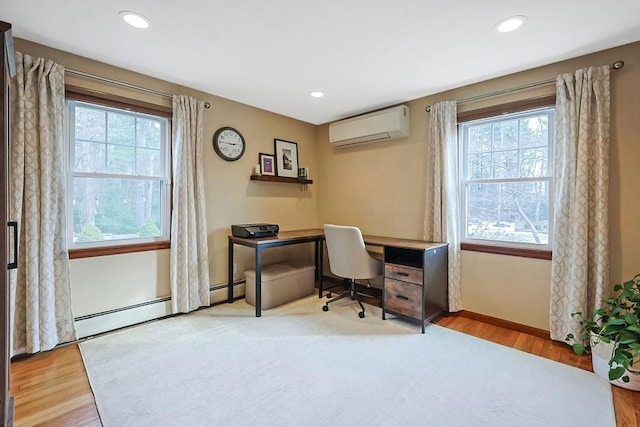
52,388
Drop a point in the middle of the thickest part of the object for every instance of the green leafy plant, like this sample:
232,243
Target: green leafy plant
617,321
149,229
90,233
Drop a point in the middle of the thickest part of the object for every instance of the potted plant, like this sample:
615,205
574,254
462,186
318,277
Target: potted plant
612,335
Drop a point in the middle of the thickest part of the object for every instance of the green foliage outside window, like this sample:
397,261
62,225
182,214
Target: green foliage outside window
149,229
118,186
90,233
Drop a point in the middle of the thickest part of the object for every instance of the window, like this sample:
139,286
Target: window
506,179
118,187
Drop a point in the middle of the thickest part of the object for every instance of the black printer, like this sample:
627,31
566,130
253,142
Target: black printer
254,230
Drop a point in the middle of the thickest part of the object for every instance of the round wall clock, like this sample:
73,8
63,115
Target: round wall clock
228,144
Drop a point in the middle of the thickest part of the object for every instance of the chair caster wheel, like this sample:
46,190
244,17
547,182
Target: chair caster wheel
325,308
329,295
361,314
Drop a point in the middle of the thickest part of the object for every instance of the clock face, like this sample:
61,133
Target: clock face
228,143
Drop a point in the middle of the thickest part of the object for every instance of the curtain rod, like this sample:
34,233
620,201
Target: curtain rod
123,84
615,66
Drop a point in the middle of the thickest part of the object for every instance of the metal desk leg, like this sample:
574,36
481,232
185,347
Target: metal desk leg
258,281
315,261
319,261
230,273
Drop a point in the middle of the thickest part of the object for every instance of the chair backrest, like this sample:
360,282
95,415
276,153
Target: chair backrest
348,256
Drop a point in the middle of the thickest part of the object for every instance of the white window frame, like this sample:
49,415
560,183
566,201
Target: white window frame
164,179
465,182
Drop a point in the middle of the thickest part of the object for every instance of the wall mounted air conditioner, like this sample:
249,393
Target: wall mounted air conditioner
387,124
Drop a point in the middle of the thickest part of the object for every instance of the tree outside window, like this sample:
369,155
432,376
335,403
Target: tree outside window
506,178
118,185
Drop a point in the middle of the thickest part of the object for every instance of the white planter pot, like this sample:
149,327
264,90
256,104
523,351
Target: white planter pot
601,354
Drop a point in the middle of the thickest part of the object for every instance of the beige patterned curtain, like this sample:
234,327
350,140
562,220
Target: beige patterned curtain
442,199
189,253
580,264
40,288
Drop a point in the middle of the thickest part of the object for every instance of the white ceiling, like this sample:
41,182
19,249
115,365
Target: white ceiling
363,55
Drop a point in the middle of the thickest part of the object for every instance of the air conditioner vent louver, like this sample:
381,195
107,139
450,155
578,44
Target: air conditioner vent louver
388,124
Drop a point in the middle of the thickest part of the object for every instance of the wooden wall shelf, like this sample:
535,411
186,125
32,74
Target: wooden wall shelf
279,179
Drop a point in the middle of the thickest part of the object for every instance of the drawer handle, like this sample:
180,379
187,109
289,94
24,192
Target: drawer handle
400,273
403,297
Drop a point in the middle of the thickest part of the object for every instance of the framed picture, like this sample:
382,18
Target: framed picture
286,158
267,164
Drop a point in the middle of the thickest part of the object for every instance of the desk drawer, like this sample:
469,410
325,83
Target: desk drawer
403,273
402,297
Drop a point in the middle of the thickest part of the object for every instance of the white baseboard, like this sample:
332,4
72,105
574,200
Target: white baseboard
109,321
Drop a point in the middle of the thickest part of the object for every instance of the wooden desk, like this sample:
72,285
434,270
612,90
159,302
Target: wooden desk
415,279
283,238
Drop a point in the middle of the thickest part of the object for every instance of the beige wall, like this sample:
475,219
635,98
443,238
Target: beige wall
380,187
109,282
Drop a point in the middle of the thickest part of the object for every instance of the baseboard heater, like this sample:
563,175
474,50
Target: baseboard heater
109,320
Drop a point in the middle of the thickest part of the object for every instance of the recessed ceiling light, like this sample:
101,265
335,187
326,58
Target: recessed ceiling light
317,94
135,19
510,24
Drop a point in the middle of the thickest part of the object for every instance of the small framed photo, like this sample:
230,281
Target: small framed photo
286,158
267,164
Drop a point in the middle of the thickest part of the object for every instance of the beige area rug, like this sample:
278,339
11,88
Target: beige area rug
299,366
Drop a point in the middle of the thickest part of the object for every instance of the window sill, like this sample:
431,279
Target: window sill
501,250
116,250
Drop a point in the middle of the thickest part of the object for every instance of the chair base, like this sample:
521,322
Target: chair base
352,293
344,284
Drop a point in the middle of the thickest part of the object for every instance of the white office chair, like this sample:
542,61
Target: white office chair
349,259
